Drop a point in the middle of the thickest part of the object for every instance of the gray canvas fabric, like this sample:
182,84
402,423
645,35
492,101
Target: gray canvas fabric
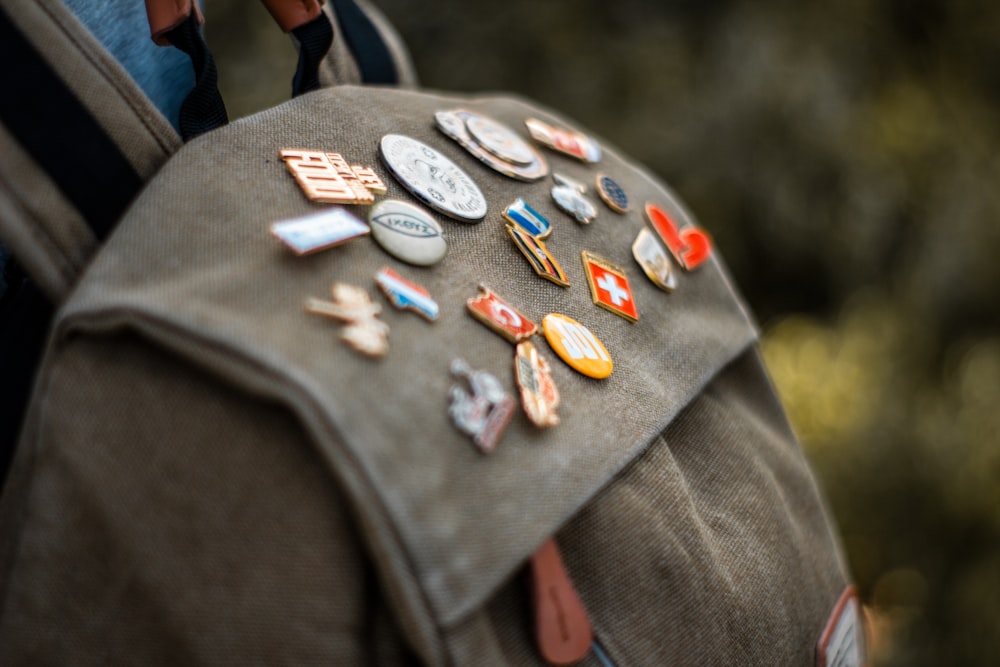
209,476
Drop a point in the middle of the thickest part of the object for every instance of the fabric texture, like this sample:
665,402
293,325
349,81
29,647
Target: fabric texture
209,475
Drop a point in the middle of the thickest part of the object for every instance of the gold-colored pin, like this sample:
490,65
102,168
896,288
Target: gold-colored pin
499,316
328,179
363,331
369,179
539,395
609,286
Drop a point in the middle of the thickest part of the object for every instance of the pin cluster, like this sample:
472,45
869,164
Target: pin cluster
478,404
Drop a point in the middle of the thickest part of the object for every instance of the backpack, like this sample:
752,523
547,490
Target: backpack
208,474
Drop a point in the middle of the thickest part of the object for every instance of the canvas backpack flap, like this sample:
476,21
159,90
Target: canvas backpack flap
673,484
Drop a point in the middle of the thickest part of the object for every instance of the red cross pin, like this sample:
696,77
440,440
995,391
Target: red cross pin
609,286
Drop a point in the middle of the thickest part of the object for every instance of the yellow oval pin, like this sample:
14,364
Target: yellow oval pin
577,346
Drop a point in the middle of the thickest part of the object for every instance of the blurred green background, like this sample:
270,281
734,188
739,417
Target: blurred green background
845,158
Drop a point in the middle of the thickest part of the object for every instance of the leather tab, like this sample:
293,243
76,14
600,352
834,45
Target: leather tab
561,625
292,14
165,15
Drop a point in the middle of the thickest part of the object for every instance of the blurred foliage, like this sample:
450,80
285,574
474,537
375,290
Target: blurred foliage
844,156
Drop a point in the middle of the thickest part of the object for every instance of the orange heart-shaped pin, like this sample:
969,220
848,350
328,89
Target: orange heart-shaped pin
697,247
690,246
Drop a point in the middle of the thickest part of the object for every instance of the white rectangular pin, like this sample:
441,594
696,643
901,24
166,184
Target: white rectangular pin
318,231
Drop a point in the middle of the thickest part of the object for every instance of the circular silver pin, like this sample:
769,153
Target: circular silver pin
432,178
493,144
499,139
407,232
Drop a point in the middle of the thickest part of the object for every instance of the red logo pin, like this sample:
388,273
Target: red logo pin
500,316
690,246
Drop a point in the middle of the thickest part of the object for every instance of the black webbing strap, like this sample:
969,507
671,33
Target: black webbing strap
315,38
371,53
203,108
24,323
61,135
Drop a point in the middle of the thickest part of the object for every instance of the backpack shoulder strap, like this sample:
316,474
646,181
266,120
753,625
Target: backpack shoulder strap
78,138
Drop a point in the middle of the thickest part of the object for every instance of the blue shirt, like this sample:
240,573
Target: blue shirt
164,73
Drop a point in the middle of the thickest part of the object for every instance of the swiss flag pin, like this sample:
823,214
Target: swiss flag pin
609,287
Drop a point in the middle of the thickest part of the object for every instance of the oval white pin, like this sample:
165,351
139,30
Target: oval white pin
407,232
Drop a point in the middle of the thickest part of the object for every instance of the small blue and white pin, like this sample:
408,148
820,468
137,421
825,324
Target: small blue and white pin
406,295
528,219
319,231
612,194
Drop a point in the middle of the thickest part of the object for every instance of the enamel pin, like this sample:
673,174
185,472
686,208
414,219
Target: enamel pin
328,179
499,316
538,256
611,193
654,261
527,218
406,295
567,142
494,144
363,330
432,178
483,412
539,395
609,286
407,232
368,178
690,245
577,346
568,195
319,231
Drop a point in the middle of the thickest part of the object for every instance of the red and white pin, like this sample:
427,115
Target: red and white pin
689,245
499,316
609,287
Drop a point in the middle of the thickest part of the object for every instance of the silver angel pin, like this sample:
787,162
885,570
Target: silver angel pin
483,412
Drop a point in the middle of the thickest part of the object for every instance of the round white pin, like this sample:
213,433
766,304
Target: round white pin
499,140
407,232
493,144
433,178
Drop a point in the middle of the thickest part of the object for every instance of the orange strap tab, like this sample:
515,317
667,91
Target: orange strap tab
561,625
290,14
165,15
